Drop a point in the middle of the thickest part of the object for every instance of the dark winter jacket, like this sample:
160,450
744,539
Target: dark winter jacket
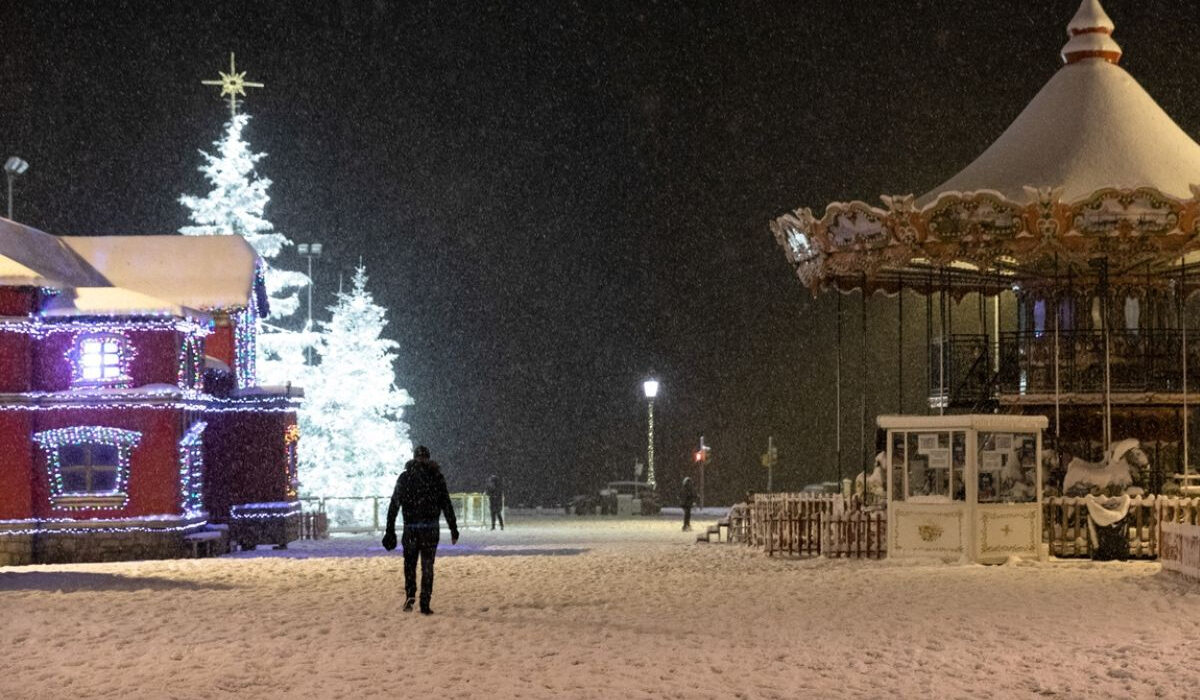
495,490
422,496
689,494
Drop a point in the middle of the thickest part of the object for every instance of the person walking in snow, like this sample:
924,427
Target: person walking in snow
422,495
689,497
495,493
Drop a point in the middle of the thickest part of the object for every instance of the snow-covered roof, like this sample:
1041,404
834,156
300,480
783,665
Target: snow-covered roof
32,257
123,275
200,272
977,421
1091,127
112,301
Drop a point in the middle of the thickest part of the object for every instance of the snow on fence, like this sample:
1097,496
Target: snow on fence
1065,523
363,514
811,525
1179,548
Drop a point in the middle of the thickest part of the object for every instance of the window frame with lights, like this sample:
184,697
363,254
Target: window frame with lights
122,353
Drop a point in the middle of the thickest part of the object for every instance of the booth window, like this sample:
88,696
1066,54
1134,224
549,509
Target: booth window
933,462
1007,467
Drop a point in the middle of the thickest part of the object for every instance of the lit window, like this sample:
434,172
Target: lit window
101,359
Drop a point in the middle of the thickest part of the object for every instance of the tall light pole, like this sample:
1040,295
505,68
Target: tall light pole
13,167
650,388
309,251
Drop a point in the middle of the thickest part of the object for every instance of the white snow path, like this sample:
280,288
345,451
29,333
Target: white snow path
593,608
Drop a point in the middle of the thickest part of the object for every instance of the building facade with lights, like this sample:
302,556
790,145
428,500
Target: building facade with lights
131,425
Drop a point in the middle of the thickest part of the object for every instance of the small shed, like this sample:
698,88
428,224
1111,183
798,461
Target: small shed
964,486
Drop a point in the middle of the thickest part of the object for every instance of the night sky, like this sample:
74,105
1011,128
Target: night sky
555,198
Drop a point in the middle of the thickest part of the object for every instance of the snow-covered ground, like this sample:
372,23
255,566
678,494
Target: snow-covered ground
593,608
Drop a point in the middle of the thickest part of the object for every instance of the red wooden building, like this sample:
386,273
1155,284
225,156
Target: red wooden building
130,422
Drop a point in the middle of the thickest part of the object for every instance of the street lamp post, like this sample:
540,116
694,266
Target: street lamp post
13,167
309,251
650,388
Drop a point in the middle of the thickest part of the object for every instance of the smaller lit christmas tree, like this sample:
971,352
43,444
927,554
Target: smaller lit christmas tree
354,441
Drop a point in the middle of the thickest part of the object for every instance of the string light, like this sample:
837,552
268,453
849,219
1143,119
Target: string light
98,525
191,468
54,440
274,509
40,328
291,436
245,336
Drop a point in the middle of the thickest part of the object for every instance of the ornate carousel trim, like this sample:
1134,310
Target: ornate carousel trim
984,241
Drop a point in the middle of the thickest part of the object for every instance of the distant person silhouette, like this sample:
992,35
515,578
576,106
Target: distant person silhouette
495,493
422,495
687,500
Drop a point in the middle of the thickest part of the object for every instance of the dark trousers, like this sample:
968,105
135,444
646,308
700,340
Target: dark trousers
687,517
419,541
497,512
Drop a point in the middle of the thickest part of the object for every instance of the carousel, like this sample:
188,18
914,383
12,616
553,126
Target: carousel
1073,242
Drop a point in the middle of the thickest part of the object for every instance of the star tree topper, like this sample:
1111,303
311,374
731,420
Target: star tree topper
233,84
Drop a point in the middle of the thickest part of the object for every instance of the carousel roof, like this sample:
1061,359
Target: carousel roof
1091,168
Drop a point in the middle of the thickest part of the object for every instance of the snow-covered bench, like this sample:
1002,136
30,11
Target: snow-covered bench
203,542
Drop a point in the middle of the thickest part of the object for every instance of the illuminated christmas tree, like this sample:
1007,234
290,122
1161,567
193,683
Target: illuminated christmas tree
235,206
354,440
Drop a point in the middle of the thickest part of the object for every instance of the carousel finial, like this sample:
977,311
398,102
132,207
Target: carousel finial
1091,35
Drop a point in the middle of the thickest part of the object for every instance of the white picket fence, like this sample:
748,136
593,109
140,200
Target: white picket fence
1179,549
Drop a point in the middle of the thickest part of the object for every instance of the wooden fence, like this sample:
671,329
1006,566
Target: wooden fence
1179,548
812,525
1065,523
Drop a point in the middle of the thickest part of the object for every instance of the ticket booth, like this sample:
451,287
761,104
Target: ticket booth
964,487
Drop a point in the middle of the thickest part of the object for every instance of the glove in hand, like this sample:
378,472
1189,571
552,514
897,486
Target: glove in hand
389,540
454,537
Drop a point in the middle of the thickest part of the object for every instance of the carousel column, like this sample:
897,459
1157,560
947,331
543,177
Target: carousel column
900,350
928,341
862,396
1183,366
1104,327
837,411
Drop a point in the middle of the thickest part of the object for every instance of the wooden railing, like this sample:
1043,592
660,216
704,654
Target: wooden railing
1065,523
811,525
1179,545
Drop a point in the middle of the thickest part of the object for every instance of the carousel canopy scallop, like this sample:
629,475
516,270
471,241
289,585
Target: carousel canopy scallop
1093,182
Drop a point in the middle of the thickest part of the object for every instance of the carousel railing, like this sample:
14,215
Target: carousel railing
1065,523
1142,361
960,370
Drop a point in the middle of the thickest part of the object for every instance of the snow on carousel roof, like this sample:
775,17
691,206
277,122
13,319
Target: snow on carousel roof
1092,171
1092,126
200,272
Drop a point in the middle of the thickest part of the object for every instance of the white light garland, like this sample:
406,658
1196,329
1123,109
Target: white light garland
52,441
191,468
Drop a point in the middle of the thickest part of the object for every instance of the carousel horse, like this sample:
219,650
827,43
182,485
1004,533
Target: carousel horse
1122,466
875,481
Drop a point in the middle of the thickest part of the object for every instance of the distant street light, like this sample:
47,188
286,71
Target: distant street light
650,387
13,167
309,251
702,456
